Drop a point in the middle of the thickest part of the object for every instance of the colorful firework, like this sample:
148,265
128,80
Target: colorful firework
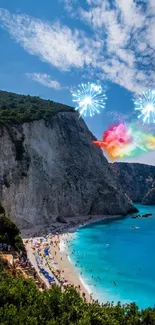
121,141
90,99
145,103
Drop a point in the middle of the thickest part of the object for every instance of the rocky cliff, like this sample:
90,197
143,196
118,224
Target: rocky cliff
50,168
149,198
135,179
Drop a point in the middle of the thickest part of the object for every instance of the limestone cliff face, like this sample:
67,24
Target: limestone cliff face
51,168
149,198
135,179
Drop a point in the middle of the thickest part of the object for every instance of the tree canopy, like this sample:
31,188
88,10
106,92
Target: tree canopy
10,234
22,303
20,108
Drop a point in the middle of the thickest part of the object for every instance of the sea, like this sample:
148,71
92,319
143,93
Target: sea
116,262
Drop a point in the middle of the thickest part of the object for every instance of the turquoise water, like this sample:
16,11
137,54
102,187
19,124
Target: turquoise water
117,262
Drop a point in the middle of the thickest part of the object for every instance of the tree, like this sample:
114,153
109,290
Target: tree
9,233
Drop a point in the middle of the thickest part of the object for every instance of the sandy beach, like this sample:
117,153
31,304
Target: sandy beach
58,263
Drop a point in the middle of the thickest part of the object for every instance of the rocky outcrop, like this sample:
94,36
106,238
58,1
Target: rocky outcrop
149,198
135,179
61,219
50,168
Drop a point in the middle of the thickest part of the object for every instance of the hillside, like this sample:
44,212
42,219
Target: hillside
50,168
22,303
20,108
149,198
135,179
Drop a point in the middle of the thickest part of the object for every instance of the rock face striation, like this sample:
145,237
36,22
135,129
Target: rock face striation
149,198
50,168
136,180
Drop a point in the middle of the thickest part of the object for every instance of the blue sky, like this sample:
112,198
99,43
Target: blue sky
48,47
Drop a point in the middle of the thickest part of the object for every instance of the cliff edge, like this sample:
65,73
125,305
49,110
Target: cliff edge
135,179
49,167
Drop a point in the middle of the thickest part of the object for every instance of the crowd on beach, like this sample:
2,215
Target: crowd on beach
46,248
44,259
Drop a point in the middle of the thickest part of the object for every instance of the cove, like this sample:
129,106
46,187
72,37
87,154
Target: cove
115,262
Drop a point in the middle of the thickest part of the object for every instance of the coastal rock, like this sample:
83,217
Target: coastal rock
51,168
146,215
135,179
149,198
61,219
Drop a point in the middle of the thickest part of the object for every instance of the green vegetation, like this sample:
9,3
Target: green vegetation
2,211
22,303
9,234
20,108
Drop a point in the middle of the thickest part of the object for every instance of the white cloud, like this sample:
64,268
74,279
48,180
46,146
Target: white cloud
151,34
69,4
142,47
131,14
151,4
54,43
127,29
121,47
44,79
126,56
94,2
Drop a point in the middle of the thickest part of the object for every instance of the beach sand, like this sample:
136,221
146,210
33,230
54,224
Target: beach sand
58,254
67,269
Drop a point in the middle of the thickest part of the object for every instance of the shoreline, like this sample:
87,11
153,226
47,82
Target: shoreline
59,254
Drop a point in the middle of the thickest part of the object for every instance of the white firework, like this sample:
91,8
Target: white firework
146,105
90,99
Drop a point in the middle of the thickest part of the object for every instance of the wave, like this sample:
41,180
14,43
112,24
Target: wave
69,259
62,245
86,286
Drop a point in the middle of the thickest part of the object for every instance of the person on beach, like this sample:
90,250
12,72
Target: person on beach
34,274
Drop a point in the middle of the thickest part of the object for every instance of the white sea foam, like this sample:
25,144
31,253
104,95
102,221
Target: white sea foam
69,259
62,245
86,286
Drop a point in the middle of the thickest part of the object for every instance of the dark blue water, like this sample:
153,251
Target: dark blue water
117,262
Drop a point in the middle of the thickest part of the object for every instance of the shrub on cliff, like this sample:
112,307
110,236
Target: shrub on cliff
19,108
2,211
9,233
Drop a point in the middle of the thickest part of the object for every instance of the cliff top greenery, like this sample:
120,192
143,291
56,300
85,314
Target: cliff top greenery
22,303
20,108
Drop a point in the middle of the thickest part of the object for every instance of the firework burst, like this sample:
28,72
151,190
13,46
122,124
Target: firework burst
90,99
145,103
